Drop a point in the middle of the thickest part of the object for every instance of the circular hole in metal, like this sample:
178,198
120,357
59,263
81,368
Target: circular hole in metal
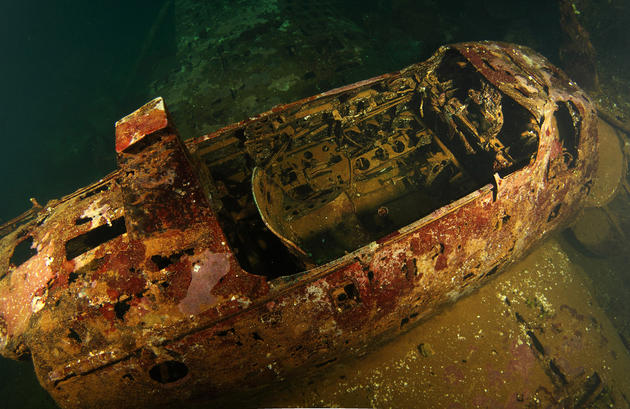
362,163
168,371
308,154
398,146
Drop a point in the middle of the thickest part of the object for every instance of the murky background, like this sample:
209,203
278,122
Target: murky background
69,70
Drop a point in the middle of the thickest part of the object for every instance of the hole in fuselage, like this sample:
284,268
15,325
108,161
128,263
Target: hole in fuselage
94,238
82,220
568,122
23,252
168,372
164,261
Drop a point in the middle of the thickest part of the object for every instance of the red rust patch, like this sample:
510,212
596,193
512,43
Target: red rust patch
130,254
128,284
242,283
145,121
179,280
440,262
112,294
107,311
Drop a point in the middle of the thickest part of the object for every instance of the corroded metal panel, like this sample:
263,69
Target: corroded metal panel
286,241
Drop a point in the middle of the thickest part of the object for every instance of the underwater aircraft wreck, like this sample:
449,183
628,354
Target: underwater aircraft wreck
294,238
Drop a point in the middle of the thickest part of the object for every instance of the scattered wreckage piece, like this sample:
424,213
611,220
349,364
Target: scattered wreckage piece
307,233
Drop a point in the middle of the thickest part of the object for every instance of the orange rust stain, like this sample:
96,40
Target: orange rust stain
30,279
61,281
68,265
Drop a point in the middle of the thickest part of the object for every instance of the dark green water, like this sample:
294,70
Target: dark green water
69,70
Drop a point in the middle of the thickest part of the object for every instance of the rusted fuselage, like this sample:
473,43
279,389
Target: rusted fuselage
293,238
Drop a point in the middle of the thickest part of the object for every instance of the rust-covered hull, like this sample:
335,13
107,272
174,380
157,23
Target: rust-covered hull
283,242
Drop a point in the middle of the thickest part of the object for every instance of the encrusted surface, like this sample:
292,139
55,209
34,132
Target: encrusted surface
162,282
533,337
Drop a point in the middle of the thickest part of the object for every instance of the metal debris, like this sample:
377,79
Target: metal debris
307,233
